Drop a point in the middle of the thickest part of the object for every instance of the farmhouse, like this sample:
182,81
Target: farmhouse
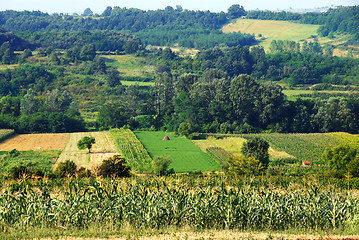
306,163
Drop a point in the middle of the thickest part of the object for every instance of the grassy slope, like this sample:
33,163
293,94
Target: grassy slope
184,154
272,30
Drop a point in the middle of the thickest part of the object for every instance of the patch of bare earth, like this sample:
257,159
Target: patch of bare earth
26,142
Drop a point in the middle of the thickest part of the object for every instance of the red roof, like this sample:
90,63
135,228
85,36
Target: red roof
306,163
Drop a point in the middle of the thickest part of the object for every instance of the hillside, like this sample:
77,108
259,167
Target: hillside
272,30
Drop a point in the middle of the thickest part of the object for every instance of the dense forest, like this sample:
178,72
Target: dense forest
229,86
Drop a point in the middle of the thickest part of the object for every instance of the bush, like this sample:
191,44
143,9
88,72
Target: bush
160,165
257,148
240,165
66,169
19,171
114,166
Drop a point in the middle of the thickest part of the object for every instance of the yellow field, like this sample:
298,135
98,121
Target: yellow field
26,142
272,30
232,145
101,150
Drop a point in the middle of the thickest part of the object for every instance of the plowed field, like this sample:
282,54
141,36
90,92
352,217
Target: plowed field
26,142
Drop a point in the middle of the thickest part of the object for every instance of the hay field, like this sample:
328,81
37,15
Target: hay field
26,142
101,150
272,30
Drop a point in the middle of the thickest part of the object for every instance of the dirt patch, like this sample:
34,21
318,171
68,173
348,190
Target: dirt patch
26,142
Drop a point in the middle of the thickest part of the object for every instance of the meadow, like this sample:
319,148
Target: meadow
272,30
5,133
185,155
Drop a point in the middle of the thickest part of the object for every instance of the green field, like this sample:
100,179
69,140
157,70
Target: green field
308,147
272,30
129,66
5,133
184,154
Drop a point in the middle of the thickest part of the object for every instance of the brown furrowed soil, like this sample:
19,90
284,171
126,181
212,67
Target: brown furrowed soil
26,142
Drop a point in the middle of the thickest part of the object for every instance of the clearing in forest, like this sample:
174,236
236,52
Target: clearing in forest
26,142
185,155
104,148
272,30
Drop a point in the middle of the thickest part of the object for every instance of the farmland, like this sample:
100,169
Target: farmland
102,149
132,149
184,154
25,142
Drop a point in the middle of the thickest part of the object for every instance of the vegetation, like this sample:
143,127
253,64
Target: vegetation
160,165
86,142
256,148
132,149
184,154
114,167
5,133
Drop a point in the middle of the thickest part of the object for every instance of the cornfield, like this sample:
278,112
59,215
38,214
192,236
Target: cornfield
160,202
132,149
218,154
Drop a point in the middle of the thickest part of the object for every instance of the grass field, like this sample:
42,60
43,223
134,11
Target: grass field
184,154
5,133
102,149
129,66
272,30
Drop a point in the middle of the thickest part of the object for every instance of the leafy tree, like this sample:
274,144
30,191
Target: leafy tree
258,148
88,12
113,78
86,142
107,12
342,159
114,166
236,11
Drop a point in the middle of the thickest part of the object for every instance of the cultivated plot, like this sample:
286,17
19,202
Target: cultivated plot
104,148
26,142
184,154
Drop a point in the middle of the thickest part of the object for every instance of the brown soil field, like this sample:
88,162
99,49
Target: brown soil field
26,142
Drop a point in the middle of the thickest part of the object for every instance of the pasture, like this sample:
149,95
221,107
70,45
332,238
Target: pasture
185,155
272,30
129,66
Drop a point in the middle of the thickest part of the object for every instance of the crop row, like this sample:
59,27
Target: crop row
218,154
201,208
132,149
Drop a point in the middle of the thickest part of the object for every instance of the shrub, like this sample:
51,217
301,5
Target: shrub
114,166
241,165
19,171
64,169
160,165
342,160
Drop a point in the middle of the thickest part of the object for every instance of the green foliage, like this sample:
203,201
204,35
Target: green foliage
17,172
65,169
86,142
114,167
258,149
160,165
184,154
342,159
240,165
